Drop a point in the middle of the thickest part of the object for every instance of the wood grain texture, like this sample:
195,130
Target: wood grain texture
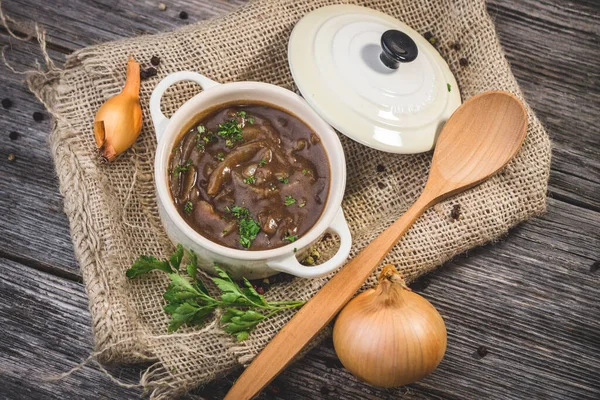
530,299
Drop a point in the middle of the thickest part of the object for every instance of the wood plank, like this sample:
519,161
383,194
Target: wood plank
34,227
553,49
73,25
46,331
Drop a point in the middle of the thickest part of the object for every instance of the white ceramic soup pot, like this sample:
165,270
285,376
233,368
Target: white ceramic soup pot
247,263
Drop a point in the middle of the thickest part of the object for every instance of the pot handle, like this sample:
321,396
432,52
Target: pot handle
158,118
289,263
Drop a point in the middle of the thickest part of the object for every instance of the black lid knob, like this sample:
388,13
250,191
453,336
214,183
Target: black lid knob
397,47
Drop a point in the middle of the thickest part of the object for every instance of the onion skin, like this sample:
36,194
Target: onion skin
390,336
118,121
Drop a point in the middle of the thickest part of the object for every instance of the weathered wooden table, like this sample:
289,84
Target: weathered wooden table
523,314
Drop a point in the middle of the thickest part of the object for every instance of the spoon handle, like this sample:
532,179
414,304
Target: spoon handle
321,309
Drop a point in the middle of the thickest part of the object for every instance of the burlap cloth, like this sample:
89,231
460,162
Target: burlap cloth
112,208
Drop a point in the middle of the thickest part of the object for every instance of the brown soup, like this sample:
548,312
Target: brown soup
249,176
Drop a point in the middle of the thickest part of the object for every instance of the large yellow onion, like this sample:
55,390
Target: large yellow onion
390,336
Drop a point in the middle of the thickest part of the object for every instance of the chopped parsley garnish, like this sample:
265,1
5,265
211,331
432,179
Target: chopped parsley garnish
182,168
200,145
231,131
248,227
302,204
305,171
189,206
238,212
250,180
201,129
283,179
220,156
449,87
291,238
250,120
262,162
289,200
241,114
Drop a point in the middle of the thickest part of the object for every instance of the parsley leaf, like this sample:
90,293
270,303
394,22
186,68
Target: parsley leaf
262,162
289,200
291,238
177,257
189,302
449,87
145,264
201,129
283,179
189,206
220,157
250,180
238,212
231,131
182,168
249,229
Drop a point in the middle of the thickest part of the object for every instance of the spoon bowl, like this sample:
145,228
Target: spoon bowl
472,147
478,140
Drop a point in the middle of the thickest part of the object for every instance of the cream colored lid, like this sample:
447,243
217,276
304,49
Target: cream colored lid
334,55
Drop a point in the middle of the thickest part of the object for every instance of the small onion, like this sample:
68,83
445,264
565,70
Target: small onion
118,121
390,336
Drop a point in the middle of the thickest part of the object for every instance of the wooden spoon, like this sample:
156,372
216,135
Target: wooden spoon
479,139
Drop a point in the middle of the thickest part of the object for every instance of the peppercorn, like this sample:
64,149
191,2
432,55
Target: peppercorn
11,157
151,71
274,389
155,60
455,213
455,46
381,185
7,103
420,284
429,37
183,15
143,74
38,116
325,390
13,135
380,168
463,62
482,351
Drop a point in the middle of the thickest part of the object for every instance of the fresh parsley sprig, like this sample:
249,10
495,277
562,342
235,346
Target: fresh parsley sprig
190,303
